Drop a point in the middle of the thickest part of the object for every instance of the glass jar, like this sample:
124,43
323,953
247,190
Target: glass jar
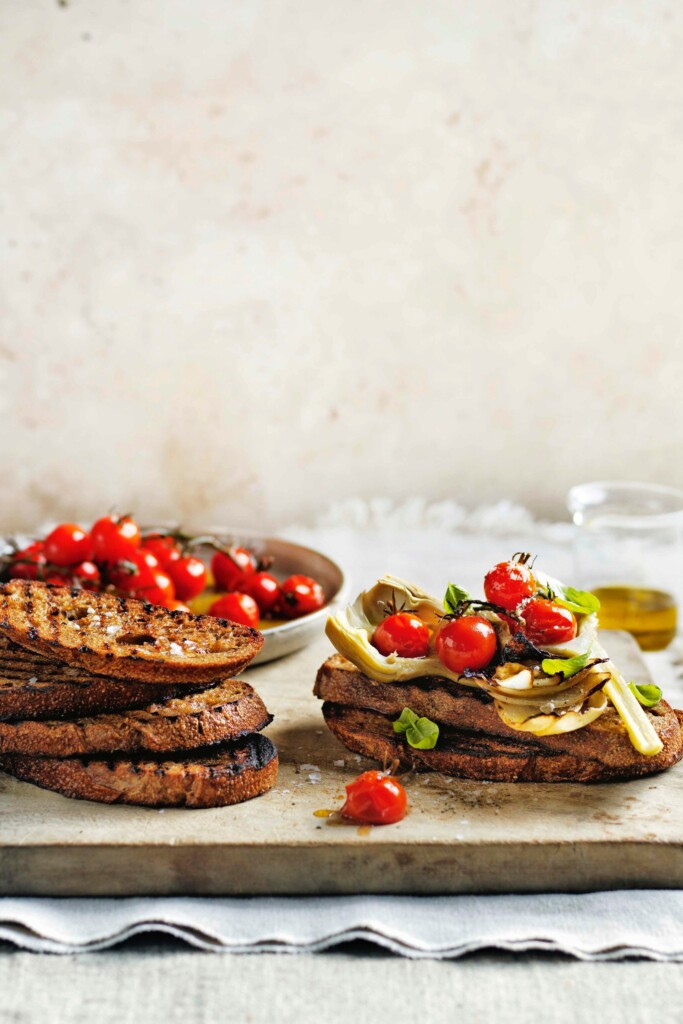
629,552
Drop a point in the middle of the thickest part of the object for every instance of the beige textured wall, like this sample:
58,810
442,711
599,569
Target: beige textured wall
258,255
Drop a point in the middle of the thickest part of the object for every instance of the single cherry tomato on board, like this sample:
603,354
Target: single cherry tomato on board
265,590
466,642
230,569
300,596
546,622
375,798
236,607
67,544
189,576
114,538
164,549
176,606
27,564
403,634
508,584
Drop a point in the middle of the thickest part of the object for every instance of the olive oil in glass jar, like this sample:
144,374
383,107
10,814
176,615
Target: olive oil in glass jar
629,553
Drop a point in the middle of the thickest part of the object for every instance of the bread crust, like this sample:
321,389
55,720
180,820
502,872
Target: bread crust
122,637
215,777
35,687
224,712
474,742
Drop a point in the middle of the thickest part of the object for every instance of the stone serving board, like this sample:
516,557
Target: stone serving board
458,837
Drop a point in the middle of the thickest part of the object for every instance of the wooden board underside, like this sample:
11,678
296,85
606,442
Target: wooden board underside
459,837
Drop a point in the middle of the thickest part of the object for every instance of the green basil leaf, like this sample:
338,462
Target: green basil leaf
579,601
565,666
647,693
454,596
420,733
407,719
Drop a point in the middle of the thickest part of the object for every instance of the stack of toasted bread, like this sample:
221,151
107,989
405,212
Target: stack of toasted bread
114,700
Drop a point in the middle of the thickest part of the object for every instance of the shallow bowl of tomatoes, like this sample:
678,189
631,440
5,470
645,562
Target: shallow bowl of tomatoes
284,589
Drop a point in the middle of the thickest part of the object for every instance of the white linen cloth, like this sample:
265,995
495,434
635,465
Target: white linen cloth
591,926
431,545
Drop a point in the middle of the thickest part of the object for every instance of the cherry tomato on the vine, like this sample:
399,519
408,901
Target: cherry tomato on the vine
403,634
546,622
375,798
87,575
265,590
114,538
230,569
189,576
300,596
236,607
135,572
67,544
163,548
508,584
27,563
176,606
156,590
466,642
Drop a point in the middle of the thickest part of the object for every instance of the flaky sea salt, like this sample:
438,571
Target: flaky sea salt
175,648
310,767
314,777
33,679
340,763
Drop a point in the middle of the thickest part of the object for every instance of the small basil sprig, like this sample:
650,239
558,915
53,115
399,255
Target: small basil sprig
566,667
581,602
646,693
455,595
420,733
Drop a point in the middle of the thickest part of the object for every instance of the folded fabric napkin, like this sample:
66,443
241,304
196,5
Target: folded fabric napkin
592,926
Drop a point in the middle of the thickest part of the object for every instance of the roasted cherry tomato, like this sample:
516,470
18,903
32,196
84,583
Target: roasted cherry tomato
375,798
300,595
237,608
164,549
67,544
230,569
176,606
546,622
265,590
189,576
114,538
87,575
27,563
402,634
508,584
466,642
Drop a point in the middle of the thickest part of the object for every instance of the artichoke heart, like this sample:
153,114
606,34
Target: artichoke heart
525,718
351,630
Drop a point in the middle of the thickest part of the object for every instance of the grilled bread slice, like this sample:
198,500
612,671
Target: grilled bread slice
210,777
35,687
124,638
224,712
601,752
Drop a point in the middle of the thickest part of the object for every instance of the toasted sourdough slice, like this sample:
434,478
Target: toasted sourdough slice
124,638
602,755
35,687
224,712
208,777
